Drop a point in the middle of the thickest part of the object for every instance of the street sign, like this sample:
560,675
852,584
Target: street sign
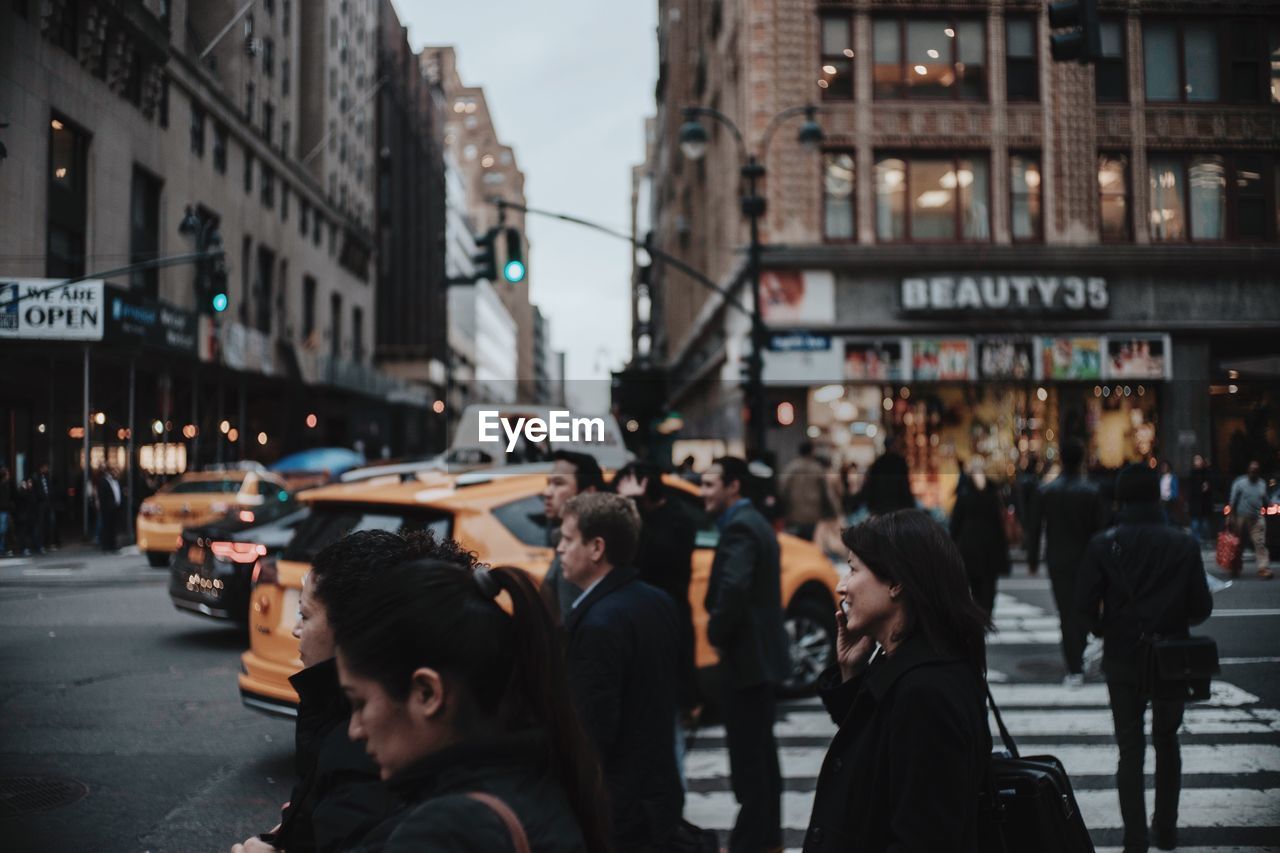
137,319
40,309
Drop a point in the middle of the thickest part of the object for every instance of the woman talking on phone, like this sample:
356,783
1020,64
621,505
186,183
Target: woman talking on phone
908,694
465,709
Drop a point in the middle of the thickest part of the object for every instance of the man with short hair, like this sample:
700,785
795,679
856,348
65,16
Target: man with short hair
622,651
804,492
745,624
1069,511
1248,497
571,474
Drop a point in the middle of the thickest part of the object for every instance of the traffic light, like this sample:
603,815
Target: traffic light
485,261
513,270
217,296
1081,38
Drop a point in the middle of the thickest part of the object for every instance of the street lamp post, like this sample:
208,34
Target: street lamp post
693,143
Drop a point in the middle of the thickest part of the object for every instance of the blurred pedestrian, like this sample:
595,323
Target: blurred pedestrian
745,625
109,504
1199,492
908,693
686,471
887,486
41,508
1169,494
977,527
23,517
1248,498
806,497
7,496
850,486
623,647
1026,498
338,796
1142,578
571,474
466,709
1069,512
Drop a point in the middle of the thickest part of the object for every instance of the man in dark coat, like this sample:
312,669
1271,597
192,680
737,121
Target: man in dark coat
1199,492
887,486
745,625
977,526
623,649
571,474
110,499
1142,577
1070,511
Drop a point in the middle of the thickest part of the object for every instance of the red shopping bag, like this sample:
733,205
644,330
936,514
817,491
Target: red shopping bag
1229,550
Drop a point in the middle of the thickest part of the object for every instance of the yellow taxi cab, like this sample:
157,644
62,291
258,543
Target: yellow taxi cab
197,498
498,515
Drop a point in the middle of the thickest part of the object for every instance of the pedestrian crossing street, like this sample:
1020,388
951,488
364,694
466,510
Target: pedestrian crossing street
1230,755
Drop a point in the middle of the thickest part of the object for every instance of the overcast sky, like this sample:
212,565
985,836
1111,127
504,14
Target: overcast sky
569,84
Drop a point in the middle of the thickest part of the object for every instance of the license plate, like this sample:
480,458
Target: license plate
195,555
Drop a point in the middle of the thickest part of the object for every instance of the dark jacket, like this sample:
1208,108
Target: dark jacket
339,796
888,485
623,649
904,770
437,815
977,526
1140,577
1198,491
1069,512
664,557
744,603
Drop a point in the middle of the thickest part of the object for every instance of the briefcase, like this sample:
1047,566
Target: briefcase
1027,805
1180,668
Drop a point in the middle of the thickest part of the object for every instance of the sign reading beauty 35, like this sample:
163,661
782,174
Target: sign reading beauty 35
1012,293
36,309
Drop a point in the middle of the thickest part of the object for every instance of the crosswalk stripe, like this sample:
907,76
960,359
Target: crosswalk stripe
1095,695
1080,760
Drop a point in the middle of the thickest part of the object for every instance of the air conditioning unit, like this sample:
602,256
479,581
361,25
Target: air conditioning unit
252,46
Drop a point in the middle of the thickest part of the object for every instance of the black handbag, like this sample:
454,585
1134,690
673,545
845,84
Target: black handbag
1172,668
1027,805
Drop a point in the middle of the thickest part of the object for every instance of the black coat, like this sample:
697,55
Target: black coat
436,814
339,796
977,526
623,654
744,603
1140,577
887,486
904,770
664,558
1070,511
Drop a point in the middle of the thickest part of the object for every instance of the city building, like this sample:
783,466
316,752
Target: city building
991,251
134,129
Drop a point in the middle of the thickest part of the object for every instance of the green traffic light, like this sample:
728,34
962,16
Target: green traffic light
220,302
513,271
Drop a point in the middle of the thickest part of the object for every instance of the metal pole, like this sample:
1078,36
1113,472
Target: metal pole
84,474
753,206
243,425
193,464
231,23
218,426
128,486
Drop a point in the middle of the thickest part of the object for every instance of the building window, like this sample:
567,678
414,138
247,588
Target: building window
303,209
1185,60
1113,197
144,229
286,16
268,121
286,130
932,198
268,186
248,171
1209,197
220,147
268,56
162,109
838,195
67,200
246,283
1024,196
284,77
836,75
1022,67
930,58
308,307
197,129
335,328
317,226
266,269
357,333
249,92
284,202
1111,78
67,33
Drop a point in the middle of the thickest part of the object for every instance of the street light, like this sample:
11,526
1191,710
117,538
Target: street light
693,144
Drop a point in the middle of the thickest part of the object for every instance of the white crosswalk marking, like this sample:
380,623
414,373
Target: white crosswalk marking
1230,755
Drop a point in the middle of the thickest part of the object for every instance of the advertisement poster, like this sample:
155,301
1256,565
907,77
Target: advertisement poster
941,360
1137,357
1071,358
1006,359
874,360
798,298
41,309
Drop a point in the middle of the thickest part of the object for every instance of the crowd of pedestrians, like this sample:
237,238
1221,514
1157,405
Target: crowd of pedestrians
28,513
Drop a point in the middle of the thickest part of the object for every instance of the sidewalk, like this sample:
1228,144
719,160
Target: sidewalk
79,563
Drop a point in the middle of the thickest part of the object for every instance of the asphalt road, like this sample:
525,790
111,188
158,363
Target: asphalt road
132,706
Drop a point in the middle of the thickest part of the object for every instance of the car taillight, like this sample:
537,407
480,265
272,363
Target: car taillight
265,572
238,552
149,509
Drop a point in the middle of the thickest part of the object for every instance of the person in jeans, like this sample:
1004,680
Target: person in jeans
1142,577
1248,497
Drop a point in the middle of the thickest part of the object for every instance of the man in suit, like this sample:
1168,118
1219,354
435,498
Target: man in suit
744,609
109,501
571,474
622,647
1070,510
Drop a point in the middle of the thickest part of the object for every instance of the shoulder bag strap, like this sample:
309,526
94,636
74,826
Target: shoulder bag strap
1009,743
508,817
